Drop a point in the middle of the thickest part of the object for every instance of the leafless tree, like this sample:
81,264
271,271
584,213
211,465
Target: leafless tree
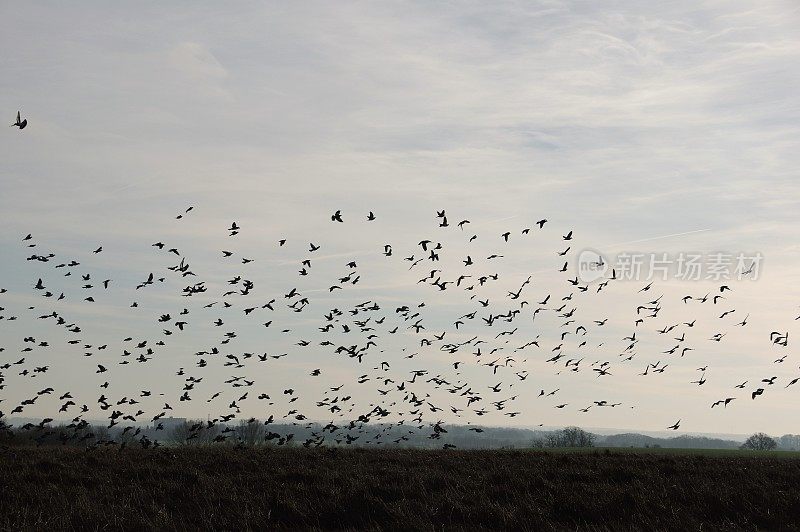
250,432
576,437
568,437
194,432
759,442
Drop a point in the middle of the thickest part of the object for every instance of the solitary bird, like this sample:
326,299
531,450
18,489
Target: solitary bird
20,123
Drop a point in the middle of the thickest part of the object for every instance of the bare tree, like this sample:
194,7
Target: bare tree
194,432
759,442
250,432
568,437
576,437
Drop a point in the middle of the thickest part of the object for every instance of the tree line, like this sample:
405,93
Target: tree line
255,433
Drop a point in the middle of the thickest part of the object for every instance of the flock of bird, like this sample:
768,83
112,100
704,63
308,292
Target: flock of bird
499,338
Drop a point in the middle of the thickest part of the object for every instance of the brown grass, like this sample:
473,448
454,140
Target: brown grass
226,488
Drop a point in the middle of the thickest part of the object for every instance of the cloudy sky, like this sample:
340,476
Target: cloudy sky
624,122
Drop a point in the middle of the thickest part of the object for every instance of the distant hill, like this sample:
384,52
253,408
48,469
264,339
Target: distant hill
461,436
678,442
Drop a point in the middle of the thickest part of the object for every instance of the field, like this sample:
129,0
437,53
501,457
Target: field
265,488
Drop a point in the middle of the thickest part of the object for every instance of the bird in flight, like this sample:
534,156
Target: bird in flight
20,123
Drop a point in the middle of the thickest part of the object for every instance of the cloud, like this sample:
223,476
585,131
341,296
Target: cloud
196,61
619,122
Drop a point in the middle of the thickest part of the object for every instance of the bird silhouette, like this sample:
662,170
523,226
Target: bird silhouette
20,123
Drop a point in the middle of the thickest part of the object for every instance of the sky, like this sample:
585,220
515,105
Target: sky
643,128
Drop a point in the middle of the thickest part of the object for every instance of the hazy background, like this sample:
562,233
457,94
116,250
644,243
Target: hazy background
618,120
